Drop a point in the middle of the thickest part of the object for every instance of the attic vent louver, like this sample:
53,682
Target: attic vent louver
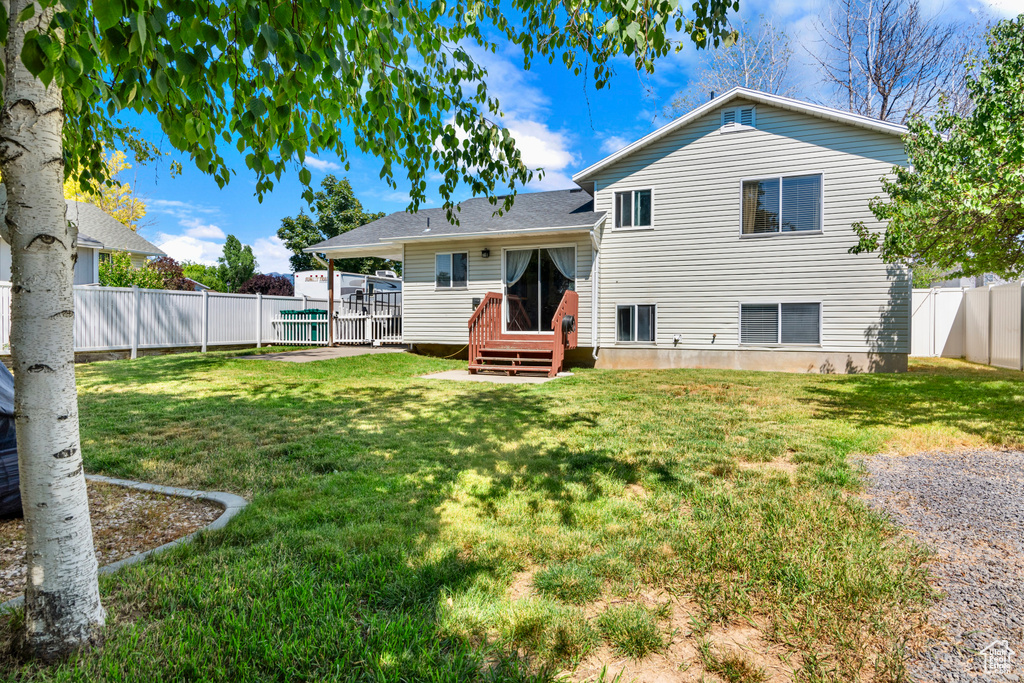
747,117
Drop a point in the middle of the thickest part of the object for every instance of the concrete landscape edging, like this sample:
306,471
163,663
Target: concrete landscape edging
231,504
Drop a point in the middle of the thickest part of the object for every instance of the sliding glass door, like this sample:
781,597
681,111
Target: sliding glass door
535,280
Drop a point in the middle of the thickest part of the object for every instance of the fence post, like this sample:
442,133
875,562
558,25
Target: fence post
206,319
136,315
259,320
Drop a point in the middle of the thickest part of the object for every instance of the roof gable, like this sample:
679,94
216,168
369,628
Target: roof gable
99,230
745,94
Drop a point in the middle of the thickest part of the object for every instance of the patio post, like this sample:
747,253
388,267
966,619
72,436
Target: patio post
330,302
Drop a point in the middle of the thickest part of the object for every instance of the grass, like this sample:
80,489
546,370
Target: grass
631,631
732,666
391,515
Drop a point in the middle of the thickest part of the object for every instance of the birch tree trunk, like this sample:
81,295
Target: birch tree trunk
62,602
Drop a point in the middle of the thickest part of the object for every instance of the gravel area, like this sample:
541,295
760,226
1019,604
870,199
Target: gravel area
968,507
124,522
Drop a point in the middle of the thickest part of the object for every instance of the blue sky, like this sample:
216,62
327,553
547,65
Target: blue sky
560,124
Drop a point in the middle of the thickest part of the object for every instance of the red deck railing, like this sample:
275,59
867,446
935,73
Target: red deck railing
485,326
567,335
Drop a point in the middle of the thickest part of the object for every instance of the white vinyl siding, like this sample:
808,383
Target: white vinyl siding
441,316
698,266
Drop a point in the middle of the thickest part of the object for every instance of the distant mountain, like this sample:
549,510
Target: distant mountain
287,276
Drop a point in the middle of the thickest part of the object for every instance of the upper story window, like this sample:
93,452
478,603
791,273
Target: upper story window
451,269
633,209
781,204
738,118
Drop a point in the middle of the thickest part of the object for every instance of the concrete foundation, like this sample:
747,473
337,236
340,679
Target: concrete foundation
826,362
781,360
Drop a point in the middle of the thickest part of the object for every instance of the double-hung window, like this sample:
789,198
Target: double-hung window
635,322
796,323
781,204
633,209
451,269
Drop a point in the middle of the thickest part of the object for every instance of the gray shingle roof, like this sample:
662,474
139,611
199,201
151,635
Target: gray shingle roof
97,229
531,211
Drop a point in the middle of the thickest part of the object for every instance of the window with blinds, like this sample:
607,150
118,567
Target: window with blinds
781,204
796,323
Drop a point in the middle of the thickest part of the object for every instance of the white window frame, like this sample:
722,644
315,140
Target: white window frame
778,329
633,305
780,231
736,126
615,213
504,287
452,286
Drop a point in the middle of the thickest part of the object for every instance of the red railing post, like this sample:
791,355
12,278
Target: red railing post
483,327
569,305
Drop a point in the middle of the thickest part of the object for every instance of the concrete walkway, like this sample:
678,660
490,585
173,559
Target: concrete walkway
464,376
325,353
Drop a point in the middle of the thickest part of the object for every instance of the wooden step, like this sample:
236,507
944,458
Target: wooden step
511,369
483,360
516,346
511,353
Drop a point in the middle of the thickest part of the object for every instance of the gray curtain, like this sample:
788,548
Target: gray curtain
516,263
564,259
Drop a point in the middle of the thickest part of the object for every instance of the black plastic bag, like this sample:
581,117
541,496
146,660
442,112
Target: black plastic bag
10,494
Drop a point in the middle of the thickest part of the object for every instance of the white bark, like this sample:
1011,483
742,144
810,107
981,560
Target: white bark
62,602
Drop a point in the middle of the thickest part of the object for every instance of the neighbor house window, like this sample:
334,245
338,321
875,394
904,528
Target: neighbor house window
634,323
451,270
782,204
798,323
633,209
104,257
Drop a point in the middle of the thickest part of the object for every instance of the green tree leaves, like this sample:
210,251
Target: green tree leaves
237,265
280,80
959,204
337,211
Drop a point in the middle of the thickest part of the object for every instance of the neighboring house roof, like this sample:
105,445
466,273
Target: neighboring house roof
560,210
99,230
757,97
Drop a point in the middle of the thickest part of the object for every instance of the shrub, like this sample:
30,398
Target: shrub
171,271
118,271
272,285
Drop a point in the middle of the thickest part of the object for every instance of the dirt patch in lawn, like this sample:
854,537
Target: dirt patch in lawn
681,659
124,522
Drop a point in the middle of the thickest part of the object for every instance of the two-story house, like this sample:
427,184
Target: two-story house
719,240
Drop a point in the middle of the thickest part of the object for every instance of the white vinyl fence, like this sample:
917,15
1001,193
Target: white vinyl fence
129,319
982,325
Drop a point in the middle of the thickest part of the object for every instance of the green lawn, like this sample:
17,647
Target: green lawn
403,529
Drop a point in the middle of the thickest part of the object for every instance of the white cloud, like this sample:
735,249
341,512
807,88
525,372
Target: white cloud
1005,8
271,255
179,209
322,165
186,248
613,143
200,230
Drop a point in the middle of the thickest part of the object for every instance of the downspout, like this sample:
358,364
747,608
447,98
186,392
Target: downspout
594,293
